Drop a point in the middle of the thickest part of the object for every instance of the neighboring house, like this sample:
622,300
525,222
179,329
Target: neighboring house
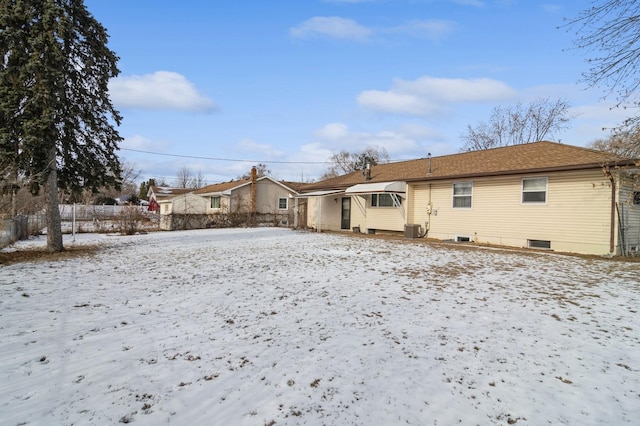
272,200
163,194
539,195
257,200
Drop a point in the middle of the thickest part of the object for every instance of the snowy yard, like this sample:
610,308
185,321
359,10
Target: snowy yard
276,327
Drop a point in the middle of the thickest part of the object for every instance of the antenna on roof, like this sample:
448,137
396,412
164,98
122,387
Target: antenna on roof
429,157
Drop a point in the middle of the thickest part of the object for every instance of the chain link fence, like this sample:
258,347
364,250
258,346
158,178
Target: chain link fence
20,228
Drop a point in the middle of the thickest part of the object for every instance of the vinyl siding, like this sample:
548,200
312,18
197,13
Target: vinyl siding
575,216
188,204
375,218
267,195
359,212
324,213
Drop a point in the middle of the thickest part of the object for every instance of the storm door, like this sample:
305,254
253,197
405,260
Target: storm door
345,222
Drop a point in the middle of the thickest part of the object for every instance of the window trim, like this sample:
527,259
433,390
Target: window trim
461,196
523,192
377,205
286,203
211,202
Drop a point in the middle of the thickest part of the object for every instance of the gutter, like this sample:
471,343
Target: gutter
612,231
518,171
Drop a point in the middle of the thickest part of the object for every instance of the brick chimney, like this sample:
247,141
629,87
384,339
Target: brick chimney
254,179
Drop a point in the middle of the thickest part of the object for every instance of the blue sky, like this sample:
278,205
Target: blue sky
288,83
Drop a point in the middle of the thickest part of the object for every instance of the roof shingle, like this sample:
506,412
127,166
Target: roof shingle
526,158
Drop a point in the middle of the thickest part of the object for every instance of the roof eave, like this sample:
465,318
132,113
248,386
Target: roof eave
590,166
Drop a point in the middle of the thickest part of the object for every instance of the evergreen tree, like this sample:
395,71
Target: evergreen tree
144,188
57,123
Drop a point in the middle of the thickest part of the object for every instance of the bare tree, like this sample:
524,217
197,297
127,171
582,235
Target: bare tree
261,170
198,181
184,177
346,162
608,32
518,124
130,176
129,186
187,179
623,143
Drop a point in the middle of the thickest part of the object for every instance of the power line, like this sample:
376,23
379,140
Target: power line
197,157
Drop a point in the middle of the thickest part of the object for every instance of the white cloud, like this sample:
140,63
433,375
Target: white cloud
336,137
429,95
259,150
333,131
142,143
395,102
432,30
552,8
331,27
162,90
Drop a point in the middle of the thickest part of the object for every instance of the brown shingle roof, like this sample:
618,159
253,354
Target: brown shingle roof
526,158
296,186
165,192
220,187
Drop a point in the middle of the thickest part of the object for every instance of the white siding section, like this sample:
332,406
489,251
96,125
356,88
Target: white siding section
188,204
323,213
375,218
575,217
359,212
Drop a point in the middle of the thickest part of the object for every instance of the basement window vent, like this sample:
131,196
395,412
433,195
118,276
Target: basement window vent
284,222
463,239
539,244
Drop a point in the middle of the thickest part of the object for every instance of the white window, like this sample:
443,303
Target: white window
534,190
283,203
382,200
215,202
462,195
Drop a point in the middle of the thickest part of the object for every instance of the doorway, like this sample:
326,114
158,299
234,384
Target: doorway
345,222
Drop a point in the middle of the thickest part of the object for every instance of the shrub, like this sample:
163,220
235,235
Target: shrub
130,219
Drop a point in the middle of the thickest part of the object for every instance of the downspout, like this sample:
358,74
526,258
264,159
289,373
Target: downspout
319,212
427,224
612,232
252,202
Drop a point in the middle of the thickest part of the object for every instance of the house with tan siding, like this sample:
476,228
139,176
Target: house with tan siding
543,195
264,196
257,200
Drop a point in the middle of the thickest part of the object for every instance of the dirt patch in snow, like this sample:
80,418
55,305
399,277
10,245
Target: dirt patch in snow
40,255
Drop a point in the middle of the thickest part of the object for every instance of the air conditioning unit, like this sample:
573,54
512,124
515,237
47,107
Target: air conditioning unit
412,231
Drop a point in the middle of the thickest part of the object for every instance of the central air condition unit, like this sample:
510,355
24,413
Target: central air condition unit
412,231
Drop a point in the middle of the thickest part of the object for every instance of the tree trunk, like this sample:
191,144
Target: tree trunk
53,221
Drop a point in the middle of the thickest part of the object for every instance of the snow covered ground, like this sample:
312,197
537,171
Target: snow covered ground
277,327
